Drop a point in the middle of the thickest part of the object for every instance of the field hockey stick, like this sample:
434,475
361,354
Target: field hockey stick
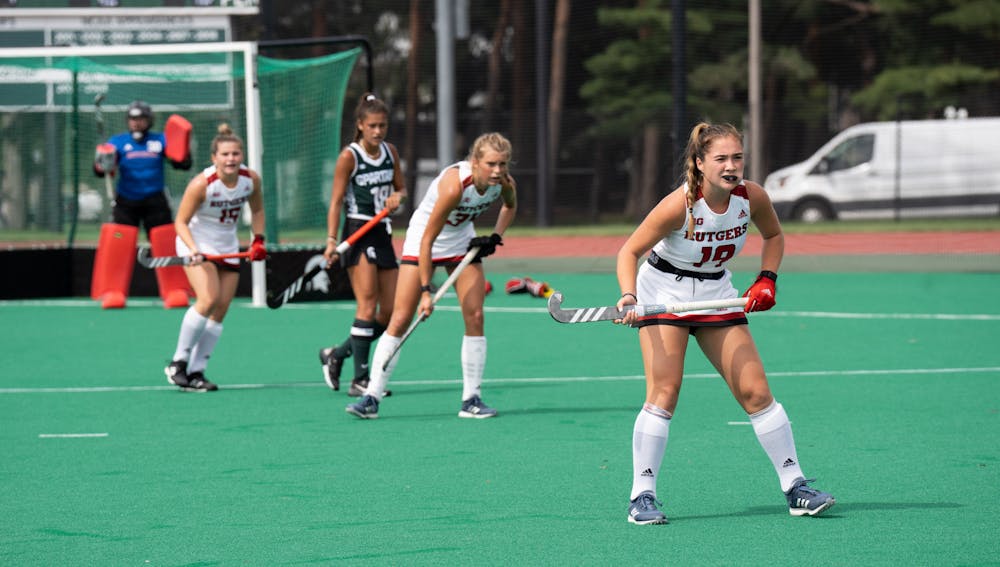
148,261
99,124
469,257
592,314
275,301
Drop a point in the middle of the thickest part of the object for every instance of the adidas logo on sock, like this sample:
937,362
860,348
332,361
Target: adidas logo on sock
789,462
647,472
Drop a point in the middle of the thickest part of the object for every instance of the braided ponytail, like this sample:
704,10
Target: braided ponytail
702,136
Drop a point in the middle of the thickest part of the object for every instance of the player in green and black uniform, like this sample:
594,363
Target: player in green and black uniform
366,180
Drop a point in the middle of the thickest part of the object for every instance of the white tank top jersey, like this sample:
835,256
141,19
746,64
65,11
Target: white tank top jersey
718,237
453,242
214,224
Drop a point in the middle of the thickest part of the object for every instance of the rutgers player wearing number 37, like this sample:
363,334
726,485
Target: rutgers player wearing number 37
206,223
693,232
441,234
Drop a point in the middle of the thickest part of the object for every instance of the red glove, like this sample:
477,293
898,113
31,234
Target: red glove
538,289
257,250
761,293
516,285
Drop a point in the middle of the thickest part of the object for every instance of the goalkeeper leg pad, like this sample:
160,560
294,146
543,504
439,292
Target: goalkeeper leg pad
175,290
113,264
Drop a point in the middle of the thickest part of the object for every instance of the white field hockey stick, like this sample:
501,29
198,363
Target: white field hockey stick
291,290
469,257
99,124
592,314
148,261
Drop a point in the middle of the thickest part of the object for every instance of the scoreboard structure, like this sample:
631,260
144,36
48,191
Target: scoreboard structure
77,7
110,23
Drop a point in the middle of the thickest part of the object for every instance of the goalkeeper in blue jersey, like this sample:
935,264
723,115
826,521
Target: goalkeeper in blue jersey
136,158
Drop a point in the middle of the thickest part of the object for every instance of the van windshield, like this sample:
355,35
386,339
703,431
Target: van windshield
850,153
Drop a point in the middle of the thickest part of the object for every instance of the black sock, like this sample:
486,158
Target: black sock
362,336
344,349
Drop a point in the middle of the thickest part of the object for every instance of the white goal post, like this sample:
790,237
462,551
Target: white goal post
10,73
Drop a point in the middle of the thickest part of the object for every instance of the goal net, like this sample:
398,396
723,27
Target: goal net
53,102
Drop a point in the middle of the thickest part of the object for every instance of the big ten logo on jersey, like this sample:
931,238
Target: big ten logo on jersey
698,221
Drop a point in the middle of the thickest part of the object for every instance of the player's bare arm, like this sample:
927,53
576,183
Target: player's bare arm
668,215
399,193
341,174
194,196
766,220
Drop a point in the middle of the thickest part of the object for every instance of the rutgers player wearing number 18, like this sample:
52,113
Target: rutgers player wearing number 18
206,223
693,232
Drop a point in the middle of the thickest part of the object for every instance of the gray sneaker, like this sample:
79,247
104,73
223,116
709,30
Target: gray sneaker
643,510
806,501
365,408
475,408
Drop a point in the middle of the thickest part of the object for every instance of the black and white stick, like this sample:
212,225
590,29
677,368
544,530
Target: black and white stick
469,256
610,313
291,290
148,261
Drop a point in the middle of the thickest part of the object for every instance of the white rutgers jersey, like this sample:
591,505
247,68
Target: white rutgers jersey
718,237
453,242
214,224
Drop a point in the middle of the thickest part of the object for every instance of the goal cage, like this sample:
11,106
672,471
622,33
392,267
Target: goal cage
288,113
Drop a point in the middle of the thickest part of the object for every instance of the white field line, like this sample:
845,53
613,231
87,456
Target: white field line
537,380
70,435
349,306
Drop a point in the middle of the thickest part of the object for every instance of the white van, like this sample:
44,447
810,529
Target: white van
944,168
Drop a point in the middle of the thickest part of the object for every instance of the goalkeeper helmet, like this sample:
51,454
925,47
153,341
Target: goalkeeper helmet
139,109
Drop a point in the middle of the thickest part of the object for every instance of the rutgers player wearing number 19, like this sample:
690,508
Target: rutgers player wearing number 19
693,232
207,224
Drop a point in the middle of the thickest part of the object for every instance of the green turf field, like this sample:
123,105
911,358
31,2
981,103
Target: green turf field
892,382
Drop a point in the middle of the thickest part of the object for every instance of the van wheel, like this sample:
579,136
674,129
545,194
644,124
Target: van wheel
812,210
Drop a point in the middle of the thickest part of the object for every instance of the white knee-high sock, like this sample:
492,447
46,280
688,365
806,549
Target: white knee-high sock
191,328
649,441
473,364
774,432
204,347
379,378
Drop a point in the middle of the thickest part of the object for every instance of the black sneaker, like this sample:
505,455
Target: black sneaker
176,373
198,383
331,368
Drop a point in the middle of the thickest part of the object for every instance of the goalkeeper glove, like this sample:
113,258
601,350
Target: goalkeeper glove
105,157
761,294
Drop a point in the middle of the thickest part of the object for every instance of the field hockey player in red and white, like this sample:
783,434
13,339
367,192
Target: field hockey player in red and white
693,232
207,222
441,233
